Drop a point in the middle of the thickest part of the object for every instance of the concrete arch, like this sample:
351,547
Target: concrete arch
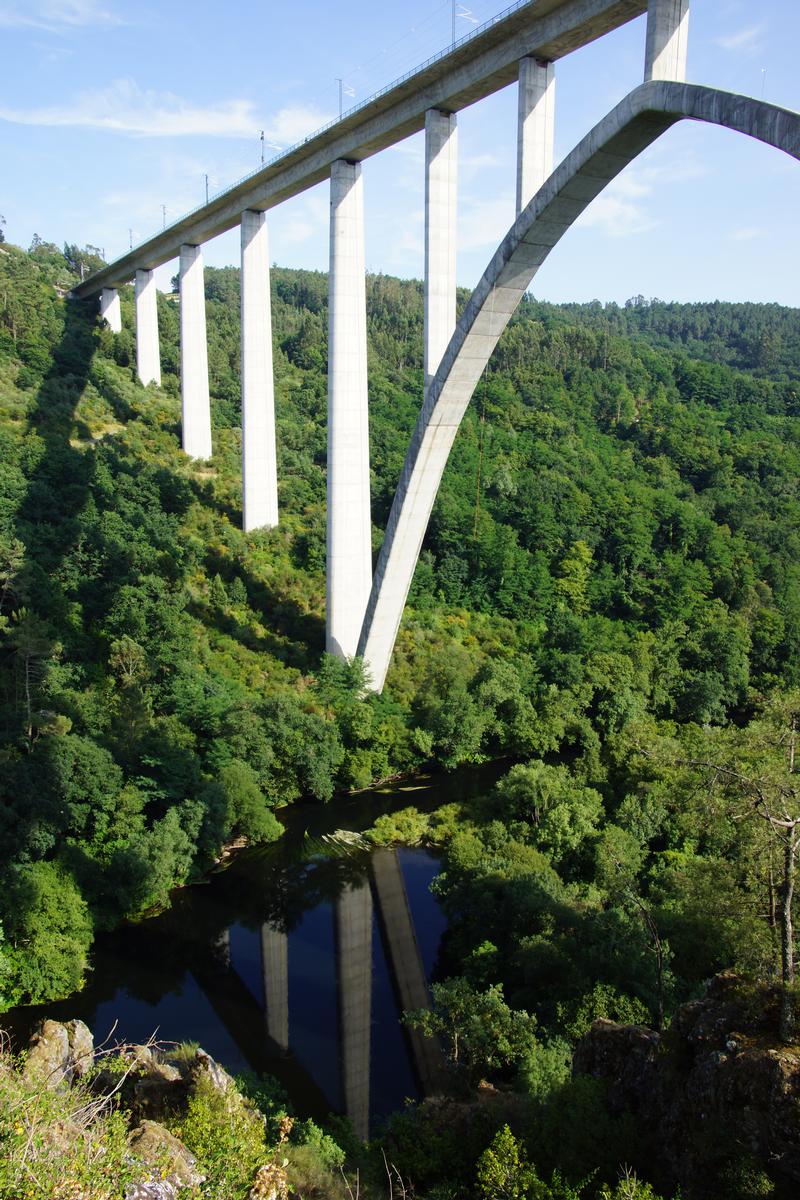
639,120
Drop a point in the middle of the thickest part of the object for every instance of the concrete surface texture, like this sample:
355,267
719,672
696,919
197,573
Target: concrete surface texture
667,40
636,123
349,541
148,355
196,405
441,191
110,309
536,126
259,465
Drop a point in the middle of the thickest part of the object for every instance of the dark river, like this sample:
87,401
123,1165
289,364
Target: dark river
295,961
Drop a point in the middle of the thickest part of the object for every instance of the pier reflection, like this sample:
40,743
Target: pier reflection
366,906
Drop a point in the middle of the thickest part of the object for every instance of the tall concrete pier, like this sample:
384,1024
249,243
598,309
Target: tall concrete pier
667,40
259,467
441,191
196,405
535,127
349,528
110,309
354,966
148,356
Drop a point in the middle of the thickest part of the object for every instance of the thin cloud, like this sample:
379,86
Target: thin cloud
301,220
619,212
746,41
484,223
617,217
624,208
55,16
748,233
124,107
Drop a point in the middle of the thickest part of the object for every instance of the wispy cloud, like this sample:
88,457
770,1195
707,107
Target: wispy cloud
124,107
56,15
624,209
748,233
619,211
484,223
617,217
745,41
299,221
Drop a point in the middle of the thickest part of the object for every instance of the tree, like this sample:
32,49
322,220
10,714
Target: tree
749,776
619,861
246,809
573,581
49,929
481,1032
560,813
504,1173
34,647
763,783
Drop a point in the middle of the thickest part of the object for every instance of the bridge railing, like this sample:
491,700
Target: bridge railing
276,158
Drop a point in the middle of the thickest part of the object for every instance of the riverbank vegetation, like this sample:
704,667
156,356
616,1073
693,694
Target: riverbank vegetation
607,596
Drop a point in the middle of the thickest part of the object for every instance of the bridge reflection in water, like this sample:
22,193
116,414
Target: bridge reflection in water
369,907
289,963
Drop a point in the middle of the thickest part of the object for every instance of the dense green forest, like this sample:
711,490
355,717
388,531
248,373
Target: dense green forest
608,596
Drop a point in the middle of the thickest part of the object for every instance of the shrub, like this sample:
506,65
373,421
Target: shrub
50,928
56,1144
226,1136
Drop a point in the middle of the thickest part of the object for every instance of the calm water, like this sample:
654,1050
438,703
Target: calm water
295,961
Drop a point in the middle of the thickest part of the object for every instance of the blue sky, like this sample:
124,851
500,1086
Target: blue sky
109,109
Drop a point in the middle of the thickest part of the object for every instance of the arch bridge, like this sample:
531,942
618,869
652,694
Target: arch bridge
522,44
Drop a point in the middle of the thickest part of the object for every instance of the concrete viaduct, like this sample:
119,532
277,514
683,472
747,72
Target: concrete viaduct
364,609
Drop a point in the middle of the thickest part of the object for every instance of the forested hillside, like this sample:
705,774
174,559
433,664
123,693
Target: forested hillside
609,594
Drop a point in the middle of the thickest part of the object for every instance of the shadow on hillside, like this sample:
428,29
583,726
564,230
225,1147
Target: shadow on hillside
294,635
290,653
57,488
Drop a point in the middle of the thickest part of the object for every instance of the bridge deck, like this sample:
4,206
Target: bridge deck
479,65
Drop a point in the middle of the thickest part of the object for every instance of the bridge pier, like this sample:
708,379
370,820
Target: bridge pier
259,467
354,970
441,184
667,40
349,541
196,405
148,355
110,309
535,128
275,973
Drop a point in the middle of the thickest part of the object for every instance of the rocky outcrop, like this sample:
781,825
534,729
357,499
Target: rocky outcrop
150,1086
204,1067
158,1148
59,1054
716,1085
81,1047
